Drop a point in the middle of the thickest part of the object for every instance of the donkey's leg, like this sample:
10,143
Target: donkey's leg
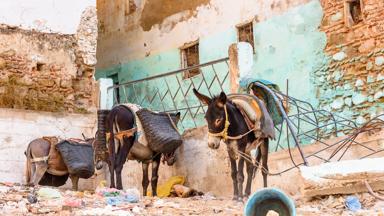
75,182
240,177
234,178
112,164
40,169
145,180
250,169
264,153
118,170
155,174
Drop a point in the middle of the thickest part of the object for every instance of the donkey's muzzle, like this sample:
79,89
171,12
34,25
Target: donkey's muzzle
213,142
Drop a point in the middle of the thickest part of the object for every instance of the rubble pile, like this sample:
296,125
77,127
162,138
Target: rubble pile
21,200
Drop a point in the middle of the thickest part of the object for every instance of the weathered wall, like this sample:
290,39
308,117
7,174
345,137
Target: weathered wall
49,71
353,81
19,127
46,16
288,44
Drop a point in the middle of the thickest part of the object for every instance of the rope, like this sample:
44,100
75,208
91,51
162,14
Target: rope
45,159
173,123
224,132
371,191
121,134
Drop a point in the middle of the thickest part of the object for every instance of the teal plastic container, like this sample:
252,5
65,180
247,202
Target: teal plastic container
268,199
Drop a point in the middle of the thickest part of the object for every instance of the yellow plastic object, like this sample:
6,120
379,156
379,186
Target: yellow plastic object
164,190
102,183
48,193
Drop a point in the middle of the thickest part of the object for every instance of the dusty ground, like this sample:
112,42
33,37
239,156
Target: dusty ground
15,200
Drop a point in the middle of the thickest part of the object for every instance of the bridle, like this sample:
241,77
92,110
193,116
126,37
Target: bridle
224,133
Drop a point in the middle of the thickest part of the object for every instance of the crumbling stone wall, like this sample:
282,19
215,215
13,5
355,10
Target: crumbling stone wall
351,82
49,71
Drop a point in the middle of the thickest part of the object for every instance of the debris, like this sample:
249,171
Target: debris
74,203
165,189
4,189
353,203
116,197
184,191
132,195
208,196
48,193
31,198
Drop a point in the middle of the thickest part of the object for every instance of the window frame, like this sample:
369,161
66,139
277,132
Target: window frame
184,59
241,26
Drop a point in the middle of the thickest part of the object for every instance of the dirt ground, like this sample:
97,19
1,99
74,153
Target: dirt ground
20,200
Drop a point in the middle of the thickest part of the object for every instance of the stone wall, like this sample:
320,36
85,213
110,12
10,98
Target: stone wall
49,71
351,82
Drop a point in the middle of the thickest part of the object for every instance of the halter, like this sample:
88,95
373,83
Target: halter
224,133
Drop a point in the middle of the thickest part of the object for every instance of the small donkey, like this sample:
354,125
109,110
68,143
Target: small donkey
226,122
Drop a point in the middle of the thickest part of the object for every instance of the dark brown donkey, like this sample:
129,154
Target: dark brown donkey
226,123
45,166
121,121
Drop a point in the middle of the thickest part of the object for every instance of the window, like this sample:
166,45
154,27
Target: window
189,58
353,12
39,66
245,34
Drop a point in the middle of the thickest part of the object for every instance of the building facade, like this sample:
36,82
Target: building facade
330,52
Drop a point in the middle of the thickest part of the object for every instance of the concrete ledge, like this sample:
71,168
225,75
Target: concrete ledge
345,177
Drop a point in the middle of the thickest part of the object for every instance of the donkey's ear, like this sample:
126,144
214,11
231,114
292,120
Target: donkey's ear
222,99
178,114
205,99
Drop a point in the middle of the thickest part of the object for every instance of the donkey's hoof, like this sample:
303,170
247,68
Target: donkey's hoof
238,199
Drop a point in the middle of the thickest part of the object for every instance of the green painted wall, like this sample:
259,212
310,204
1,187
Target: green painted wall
288,46
291,47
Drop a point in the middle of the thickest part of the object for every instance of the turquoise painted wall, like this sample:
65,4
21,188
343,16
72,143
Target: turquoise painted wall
289,46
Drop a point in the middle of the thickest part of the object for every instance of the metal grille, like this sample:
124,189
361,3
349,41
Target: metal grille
305,125
169,92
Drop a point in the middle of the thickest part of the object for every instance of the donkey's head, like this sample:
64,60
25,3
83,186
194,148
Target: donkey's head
216,117
92,141
170,158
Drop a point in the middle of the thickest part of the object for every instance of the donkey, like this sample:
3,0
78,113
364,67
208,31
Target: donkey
45,166
226,122
120,118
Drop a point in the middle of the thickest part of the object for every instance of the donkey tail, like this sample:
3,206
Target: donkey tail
111,137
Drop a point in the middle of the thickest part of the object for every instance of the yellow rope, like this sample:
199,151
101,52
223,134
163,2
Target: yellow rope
224,132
